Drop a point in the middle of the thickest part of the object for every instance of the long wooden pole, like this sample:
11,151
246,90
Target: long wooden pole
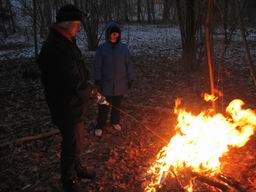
208,43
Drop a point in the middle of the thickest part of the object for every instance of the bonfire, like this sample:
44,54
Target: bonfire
200,142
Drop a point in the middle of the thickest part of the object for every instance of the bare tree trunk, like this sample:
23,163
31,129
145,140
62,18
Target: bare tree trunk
11,15
152,3
181,23
48,12
166,11
118,8
125,16
251,7
248,54
225,20
110,10
189,49
35,28
2,23
149,11
139,11
91,23
107,11
41,18
104,3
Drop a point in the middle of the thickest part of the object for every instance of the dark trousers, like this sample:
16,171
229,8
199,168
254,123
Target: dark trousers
104,109
71,148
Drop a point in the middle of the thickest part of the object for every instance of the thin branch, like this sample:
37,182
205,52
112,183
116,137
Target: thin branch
30,138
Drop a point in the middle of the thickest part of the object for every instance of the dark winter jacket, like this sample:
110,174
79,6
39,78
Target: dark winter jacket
112,66
64,78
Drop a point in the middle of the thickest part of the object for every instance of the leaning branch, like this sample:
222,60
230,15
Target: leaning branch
30,138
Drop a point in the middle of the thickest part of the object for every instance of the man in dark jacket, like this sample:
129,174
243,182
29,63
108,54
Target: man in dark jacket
113,73
64,78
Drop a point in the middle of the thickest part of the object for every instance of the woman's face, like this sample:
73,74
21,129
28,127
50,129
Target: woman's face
114,37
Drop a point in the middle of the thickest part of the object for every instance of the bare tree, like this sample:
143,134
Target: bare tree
11,20
117,10
35,28
149,16
7,25
3,18
48,12
152,2
248,53
42,21
139,10
125,11
186,17
90,21
166,10
251,7
225,19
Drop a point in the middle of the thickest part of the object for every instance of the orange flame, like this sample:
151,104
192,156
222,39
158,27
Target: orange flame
208,97
201,140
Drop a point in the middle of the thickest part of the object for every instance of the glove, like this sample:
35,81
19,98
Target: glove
130,84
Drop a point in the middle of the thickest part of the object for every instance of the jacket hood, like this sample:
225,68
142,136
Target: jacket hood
112,27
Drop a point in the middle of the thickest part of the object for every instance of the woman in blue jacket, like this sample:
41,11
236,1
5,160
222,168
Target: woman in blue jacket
113,74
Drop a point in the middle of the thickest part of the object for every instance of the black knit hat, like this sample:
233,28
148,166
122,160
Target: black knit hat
68,12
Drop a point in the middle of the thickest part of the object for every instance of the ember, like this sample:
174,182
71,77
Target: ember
200,141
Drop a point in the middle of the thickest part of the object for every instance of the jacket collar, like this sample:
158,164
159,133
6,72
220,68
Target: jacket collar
113,45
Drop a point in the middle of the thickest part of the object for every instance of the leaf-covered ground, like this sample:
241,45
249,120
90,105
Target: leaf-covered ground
120,159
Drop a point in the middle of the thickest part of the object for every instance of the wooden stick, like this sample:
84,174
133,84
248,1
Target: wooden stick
209,48
30,138
162,109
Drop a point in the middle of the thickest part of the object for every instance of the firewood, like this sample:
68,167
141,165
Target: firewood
231,182
210,182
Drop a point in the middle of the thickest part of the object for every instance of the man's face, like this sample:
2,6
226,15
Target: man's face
114,37
75,27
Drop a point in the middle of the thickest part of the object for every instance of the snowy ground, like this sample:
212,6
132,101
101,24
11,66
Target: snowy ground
141,39
145,39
